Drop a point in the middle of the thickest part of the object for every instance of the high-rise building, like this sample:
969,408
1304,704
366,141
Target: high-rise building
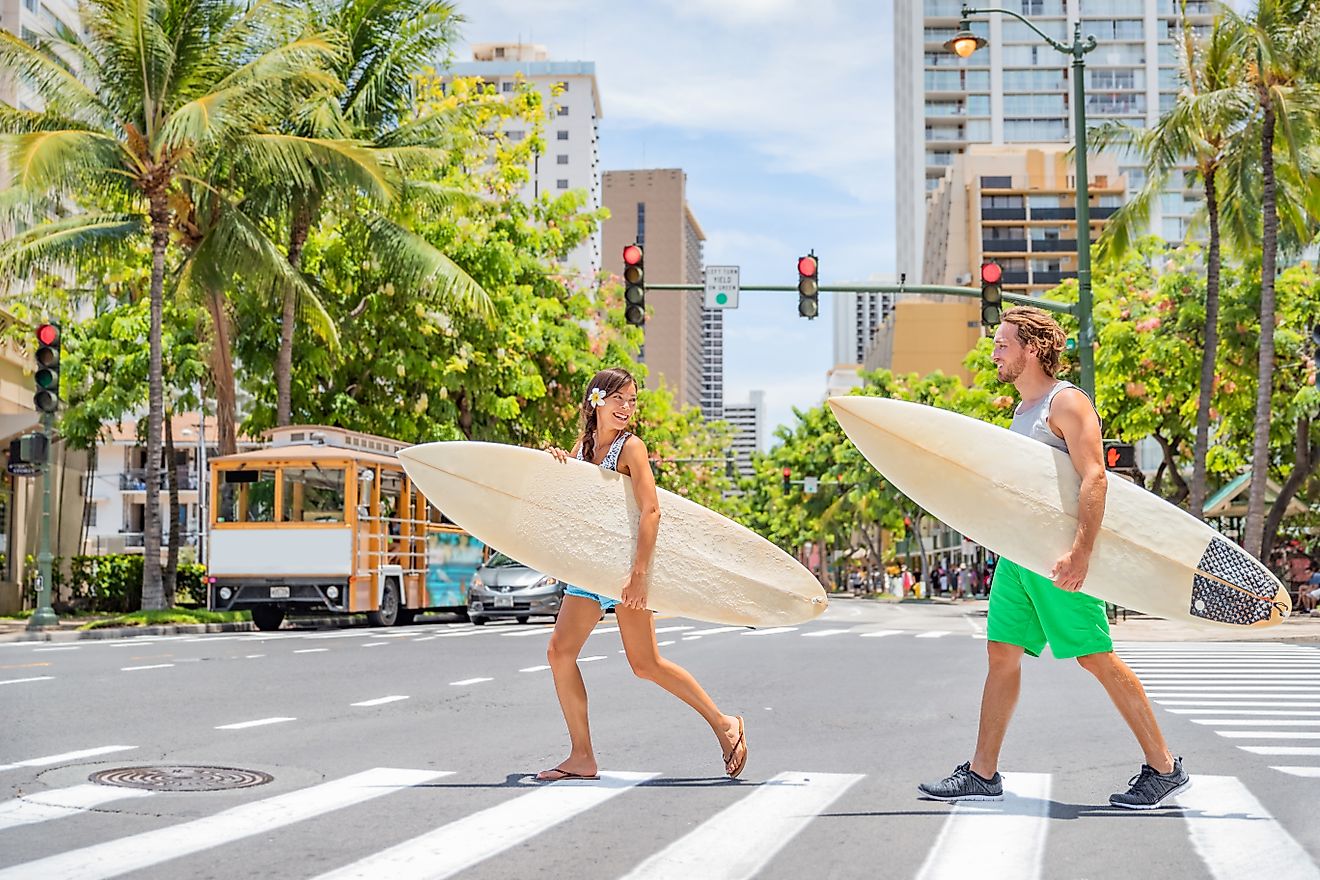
1018,90
571,159
684,348
748,421
1015,204
857,316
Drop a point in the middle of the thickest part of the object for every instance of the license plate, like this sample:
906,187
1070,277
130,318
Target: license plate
279,592
503,601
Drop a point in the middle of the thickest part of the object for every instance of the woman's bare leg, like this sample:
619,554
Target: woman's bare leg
637,628
577,618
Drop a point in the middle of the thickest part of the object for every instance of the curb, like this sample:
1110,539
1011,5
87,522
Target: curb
179,629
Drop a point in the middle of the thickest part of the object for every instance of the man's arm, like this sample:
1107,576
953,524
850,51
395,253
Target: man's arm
1071,415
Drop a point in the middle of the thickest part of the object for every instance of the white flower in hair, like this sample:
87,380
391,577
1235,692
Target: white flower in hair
596,397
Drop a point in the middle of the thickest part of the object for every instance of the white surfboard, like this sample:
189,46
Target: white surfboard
1018,497
578,522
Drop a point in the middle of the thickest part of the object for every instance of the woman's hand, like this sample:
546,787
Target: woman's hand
560,455
634,593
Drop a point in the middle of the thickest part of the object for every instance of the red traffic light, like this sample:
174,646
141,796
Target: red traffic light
991,273
806,266
48,334
632,255
788,472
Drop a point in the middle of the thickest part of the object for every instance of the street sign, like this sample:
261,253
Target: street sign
810,485
722,287
23,469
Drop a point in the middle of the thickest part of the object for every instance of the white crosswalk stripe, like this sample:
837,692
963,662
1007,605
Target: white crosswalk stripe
115,857
741,839
64,757
995,840
461,844
1259,693
44,806
1237,837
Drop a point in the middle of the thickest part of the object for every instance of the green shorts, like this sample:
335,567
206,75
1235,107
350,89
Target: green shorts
1027,610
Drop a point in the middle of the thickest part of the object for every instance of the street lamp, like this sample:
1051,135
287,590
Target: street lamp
963,44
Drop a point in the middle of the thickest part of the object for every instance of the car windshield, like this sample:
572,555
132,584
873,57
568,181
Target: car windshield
499,560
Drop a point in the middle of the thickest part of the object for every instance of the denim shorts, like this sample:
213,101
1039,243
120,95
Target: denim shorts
606,603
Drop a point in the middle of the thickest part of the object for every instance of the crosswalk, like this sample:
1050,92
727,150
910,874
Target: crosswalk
1227,827
1262,697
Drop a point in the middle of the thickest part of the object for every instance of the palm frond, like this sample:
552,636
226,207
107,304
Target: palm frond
421,266
288,158
50,78
61,159
80,240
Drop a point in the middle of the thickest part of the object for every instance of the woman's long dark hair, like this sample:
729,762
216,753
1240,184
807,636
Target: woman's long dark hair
608,381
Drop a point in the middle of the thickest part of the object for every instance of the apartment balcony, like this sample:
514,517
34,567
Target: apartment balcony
1053,245
1004,245
1003,213
1053,214
1051,277
1102,213
1015,278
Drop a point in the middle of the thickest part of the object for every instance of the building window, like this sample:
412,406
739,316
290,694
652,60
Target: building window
506,86
641,222
30,5
563,85
561,135
1002,182
91,515
561,183
561,159
516,136
561,110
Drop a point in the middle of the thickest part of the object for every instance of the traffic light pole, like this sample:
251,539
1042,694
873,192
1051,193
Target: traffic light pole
1048,305
44,616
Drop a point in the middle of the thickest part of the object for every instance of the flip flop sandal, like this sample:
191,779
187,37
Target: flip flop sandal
563,775
741,741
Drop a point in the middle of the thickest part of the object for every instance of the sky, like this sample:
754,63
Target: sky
780,112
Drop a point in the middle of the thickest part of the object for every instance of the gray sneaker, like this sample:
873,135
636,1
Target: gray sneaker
1150,789
964,785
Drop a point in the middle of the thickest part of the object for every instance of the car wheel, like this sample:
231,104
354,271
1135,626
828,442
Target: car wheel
267,617
476,619
388,615
522,618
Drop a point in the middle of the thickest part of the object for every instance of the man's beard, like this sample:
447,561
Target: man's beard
1009,372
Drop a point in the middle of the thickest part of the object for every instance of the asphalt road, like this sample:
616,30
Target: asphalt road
402,753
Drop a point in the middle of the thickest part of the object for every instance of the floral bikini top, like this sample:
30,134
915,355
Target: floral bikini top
611,460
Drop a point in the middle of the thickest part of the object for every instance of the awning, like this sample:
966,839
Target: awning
11,425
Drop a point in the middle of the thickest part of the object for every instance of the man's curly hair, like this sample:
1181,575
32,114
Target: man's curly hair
1040,332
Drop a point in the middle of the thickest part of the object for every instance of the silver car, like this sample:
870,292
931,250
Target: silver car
504,587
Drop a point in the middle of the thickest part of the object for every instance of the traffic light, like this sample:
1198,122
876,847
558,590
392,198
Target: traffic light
47,397
788,479
808,286
1070,344
992,293
1120,456
634,286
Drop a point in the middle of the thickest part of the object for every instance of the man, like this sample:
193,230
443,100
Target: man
1027,611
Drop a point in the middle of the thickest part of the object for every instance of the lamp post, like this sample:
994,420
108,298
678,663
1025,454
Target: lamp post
963,44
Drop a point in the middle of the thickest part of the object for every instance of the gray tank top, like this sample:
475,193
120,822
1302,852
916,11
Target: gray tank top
1034,421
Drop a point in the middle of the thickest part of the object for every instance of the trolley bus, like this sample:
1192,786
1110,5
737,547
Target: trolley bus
325,520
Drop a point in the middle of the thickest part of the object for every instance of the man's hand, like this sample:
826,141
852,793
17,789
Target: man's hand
1070,571
634,594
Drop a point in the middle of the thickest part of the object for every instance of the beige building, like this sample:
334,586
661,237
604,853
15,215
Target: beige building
1017,206
684,347
926,334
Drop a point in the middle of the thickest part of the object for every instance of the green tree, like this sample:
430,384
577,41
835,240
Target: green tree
164,88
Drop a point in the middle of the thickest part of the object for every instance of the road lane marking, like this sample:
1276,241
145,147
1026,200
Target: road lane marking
25,680
991,840
881,633
1291,751
46,805
741,839
467,681
310,650
666,642
535,631
672,629
1257,722
821,633
1276,713
380,701
66,756
138,851
589,659
1307,772
260,722
253,656
714,630
773,631
150,666
933,634
48,650
541,668
1235,835
455,847
1268,734
1259,703
374,644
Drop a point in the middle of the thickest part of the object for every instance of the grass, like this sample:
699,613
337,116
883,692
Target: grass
169,616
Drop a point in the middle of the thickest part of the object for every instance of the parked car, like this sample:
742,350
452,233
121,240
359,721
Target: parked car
504,587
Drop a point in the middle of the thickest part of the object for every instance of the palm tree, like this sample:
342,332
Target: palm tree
1279,43
387,42
1195,130
154,94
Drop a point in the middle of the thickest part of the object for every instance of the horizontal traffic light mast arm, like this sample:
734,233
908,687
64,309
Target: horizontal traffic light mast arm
1048,305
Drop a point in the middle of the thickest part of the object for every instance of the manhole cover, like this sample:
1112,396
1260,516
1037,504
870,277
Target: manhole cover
181,778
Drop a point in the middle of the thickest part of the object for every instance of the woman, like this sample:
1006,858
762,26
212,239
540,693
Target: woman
608,408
